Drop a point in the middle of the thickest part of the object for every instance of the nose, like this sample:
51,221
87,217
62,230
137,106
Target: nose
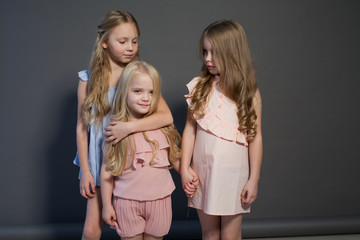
208,57
145,97
130,47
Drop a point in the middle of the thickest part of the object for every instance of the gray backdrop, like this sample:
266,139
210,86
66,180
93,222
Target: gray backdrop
306,55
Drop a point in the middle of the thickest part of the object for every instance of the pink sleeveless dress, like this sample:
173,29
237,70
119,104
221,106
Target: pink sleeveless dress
220,156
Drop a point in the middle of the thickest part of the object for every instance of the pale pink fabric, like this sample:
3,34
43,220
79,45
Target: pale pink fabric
136,217
145,180
220,156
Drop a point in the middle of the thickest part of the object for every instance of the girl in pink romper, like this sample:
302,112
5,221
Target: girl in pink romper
222,134
136,184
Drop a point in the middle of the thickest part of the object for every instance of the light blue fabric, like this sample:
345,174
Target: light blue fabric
96,137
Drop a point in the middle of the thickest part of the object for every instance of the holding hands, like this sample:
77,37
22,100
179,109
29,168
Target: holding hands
190,182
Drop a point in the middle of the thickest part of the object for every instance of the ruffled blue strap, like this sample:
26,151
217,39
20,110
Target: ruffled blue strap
84,75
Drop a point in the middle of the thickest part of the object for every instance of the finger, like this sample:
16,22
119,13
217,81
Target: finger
83,193
196,184
116,141
112,124
110,138
190,186
188,192
92,184
107,133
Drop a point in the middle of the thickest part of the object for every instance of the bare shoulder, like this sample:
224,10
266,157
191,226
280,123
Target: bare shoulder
81,91
257,98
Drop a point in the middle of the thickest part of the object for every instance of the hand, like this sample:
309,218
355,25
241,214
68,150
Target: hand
116,131
249,193
109,215
190,182
87,185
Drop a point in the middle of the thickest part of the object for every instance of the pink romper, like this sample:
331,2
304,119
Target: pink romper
148,185
220,156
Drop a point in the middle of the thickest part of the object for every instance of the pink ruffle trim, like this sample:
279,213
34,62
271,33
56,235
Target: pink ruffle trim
214,124
221,128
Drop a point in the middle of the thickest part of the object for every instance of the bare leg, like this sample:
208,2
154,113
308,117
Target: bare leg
137,237
93,221
231,227
150,237
210,226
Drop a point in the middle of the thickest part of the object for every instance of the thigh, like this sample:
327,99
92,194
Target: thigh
158,217
93,210
137,237
210,225
231,227
150,237
130,219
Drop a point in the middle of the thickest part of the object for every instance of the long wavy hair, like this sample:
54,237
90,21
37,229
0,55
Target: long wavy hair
96,105
116,158
237,76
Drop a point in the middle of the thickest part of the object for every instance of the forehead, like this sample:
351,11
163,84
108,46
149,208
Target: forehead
124,30
207,43
141,80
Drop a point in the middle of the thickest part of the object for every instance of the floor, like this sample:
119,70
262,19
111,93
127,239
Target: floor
329,237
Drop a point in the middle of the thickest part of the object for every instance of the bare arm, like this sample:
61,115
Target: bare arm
118,130
107,187
87,185
250,190
188,176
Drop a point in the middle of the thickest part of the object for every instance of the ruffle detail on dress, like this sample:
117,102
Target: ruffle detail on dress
221,128
84,75
143,146
144,153
214,122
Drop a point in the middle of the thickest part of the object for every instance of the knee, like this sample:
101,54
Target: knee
91,233
211,235
227,235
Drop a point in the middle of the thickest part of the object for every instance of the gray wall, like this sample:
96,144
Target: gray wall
307,58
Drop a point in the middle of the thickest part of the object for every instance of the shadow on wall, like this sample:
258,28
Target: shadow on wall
64,203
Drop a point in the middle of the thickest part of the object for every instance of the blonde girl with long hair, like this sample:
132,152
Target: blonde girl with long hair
222,139
136,184
117,44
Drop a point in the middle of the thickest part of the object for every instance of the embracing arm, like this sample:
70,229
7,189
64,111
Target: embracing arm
107,187
250,190
118,130
87,185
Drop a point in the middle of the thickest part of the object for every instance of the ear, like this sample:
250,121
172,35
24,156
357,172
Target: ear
104,44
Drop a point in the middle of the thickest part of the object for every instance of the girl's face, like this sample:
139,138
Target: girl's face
122,43
139,96
209,57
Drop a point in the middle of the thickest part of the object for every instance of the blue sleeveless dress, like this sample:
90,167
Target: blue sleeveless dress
96,137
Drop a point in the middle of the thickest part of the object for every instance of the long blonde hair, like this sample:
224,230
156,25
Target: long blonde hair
116,158
96,105
237,76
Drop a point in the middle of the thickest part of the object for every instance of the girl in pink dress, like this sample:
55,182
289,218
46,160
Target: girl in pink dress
136,184
222,134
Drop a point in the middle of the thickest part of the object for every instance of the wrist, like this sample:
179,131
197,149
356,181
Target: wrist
254,178
131,127
183,169
85,170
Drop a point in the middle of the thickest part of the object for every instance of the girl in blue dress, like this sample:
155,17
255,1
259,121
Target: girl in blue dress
116,45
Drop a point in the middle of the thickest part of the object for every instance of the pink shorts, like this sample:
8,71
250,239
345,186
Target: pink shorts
136,217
